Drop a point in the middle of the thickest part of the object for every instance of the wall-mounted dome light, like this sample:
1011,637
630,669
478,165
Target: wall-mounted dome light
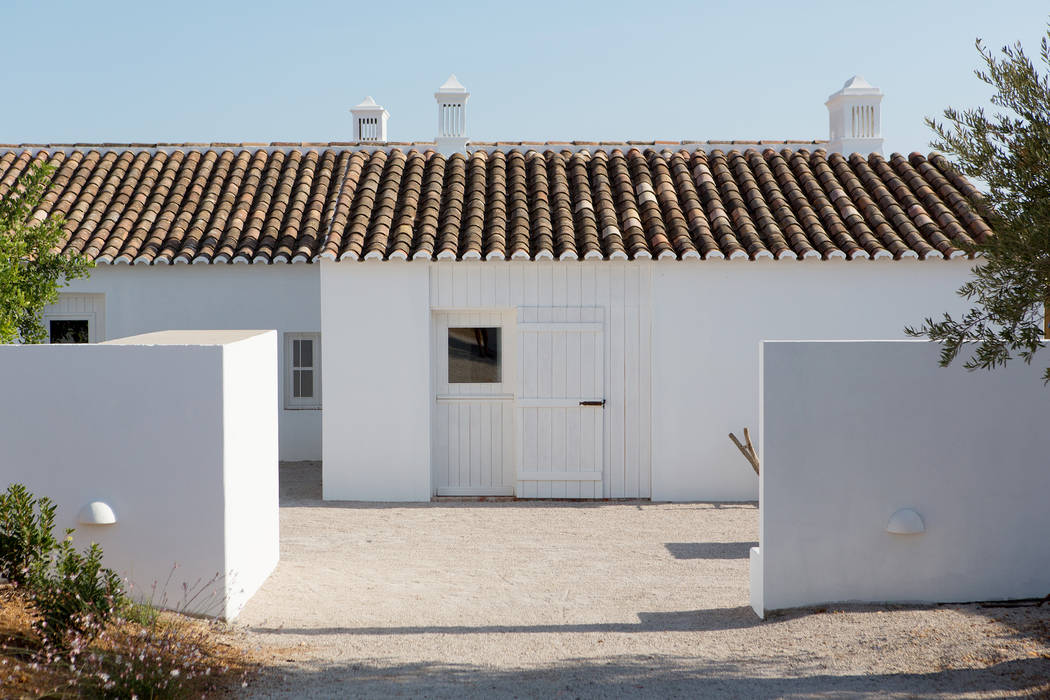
97,513
906,522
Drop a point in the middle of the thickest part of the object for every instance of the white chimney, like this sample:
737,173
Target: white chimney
855,118
452,117
369,121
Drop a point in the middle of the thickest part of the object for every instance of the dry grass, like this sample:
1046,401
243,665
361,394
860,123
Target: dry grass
187,655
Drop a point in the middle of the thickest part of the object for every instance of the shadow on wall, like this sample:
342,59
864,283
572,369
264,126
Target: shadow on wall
647,676
710,550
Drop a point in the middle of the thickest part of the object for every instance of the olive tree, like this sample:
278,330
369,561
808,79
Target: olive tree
32,265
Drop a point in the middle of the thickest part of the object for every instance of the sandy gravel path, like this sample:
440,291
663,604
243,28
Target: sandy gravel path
531,599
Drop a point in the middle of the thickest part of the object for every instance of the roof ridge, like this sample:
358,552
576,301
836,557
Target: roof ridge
376,145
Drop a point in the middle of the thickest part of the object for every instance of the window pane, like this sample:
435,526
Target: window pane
305,383
474,355
296,353
306,353
64,331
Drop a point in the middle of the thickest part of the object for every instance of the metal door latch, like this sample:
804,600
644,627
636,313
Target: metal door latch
593,403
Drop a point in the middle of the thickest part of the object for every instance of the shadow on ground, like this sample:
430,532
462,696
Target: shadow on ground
676,621
654,676
710,550
300,487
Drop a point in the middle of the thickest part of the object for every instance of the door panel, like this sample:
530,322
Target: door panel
473,426
561,397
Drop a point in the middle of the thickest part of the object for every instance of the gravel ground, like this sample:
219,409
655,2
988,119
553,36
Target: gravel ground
590,600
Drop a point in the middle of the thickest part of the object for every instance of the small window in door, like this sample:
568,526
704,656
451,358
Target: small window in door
474,356
303,373
68,331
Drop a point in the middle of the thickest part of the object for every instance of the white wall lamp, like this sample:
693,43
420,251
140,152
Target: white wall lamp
97,513
906,522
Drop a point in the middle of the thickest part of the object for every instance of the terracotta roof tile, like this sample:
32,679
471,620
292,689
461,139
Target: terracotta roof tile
294,202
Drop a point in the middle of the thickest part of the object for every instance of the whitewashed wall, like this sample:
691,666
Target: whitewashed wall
854,431
250,390
708,321
175,434
379,400
376,350
141,299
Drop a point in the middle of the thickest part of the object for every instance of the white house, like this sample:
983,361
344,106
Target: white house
570,319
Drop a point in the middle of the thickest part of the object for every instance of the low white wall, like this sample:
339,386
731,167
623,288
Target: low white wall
708,321
141,424
142,299
854,431
376,345
250,471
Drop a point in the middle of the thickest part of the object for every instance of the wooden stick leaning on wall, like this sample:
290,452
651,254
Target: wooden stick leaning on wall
747,450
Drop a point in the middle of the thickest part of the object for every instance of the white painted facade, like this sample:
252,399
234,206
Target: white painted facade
176,434
678,352
888,479
132,299
708,323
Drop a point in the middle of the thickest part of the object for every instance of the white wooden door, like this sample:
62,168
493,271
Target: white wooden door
473,430
561,402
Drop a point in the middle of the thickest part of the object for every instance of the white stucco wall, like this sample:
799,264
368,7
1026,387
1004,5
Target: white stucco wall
142,299
250,476
376,320
140,425
852,432
708,321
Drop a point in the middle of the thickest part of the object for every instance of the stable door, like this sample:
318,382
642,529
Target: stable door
473,430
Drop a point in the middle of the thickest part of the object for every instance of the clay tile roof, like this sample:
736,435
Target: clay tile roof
296,202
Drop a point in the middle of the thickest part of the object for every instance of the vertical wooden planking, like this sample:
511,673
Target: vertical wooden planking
559,285
500,286
486,285
507,442
463,415
473,273
574,359
474,429
645,395
530,427
546,419
440,286
632,399
615,425
603,298
558,417
440,446
545,284
453,445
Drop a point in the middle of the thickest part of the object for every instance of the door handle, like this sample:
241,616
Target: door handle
593,403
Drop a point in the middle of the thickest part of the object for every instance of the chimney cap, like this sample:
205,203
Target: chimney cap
452,85
855,87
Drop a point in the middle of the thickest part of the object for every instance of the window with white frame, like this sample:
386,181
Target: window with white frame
75,318
302,376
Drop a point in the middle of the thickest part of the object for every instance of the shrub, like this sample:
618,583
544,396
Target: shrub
26,534
168,657
75,598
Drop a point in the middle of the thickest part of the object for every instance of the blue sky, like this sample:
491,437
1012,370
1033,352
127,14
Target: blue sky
256,71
